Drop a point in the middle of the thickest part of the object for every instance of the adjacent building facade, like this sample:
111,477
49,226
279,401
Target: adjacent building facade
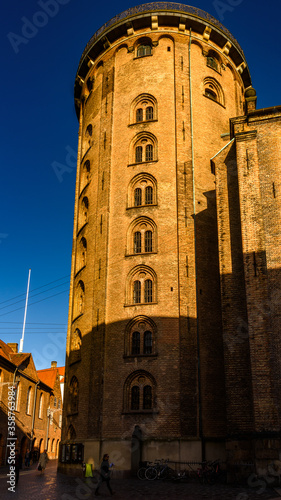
172,346
38,404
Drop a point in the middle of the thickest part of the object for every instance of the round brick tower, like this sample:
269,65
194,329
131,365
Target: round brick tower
154,92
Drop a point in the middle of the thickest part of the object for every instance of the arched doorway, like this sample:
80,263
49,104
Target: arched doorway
136,449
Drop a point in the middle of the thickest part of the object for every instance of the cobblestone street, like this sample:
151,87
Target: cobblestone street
54,486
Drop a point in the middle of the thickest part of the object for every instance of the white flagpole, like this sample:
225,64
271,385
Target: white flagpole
26,301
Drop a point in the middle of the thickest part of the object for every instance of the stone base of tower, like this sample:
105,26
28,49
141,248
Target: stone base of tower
126,454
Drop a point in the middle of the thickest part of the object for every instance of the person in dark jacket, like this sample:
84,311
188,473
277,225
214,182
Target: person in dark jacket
104,474
18,465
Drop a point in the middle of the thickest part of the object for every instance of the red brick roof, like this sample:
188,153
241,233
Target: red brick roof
49,375
8,353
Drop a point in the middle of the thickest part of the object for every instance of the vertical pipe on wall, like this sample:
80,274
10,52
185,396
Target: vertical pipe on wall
195,252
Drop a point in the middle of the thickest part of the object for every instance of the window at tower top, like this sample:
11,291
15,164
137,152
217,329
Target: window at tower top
144,50
213,90
214,61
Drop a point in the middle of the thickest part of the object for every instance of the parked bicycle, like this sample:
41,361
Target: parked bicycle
160,470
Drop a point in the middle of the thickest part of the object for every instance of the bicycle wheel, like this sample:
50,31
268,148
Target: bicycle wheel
168,473
151,473
141,473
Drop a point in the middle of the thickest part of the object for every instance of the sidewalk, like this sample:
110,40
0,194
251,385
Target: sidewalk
54,486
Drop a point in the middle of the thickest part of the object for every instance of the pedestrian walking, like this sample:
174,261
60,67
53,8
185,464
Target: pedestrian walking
104,474
43,459
27,458
18,465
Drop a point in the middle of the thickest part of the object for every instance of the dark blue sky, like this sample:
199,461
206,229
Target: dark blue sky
39,127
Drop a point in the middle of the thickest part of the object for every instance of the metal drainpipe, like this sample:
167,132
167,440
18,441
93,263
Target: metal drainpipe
195,251
33,414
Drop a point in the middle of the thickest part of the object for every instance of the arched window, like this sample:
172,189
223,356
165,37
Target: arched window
143,50
142,191
55,402
137,292
142,236
85,174
143,108
213,60
79,299
53,445
140,337
144,148
83,213
140,392
89,130
213,90
76,340
81,253
71,433
73,395
28,401
141,286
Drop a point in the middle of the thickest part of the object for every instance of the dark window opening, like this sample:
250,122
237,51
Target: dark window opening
149,153
148,241
137,292
137,197
149,113
138,157
148,195
147,397
135,398
148,291
136,343
144,50
137,242
139,115
147,342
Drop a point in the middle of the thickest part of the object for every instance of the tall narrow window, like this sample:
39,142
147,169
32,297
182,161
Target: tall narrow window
28,401
148,291
148,241
136,343
137,292
149,113
137,197
147,342
137,242
40,411
135,398
147,397
138,157
148,195
139,115
149,152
